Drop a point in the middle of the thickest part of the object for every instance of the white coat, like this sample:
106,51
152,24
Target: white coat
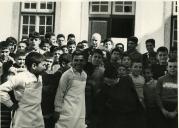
28,93
72,99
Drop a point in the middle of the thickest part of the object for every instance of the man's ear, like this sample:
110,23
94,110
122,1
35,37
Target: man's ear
34,66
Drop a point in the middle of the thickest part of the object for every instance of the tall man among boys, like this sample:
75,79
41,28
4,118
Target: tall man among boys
150,45
27,87
167,96
132,43
70,96
94,44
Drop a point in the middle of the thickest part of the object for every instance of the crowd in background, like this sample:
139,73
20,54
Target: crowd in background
124,89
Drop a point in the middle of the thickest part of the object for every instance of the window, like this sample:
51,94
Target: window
37,16
102,7
175,7
174,30
112,19
123,8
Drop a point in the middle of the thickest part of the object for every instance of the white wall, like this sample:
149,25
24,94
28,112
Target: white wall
5,19
70,18
149,23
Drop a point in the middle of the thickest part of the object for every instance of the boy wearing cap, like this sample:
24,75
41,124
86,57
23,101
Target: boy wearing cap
35,41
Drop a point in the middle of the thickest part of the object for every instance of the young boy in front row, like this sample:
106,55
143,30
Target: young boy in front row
27,86
138,79
167,96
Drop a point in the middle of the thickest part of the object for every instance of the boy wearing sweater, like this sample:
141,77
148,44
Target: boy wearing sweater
167,96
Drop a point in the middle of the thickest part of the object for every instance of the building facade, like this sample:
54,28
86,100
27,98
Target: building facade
116,19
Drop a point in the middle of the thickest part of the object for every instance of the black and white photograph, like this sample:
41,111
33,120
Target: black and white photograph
88,64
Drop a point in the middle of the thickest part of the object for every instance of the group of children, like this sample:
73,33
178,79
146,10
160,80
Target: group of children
123,88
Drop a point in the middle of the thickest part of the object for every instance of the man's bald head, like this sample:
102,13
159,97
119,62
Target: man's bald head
95,40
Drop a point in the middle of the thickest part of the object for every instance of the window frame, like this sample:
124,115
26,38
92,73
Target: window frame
37,13
91,12
38,9
123,13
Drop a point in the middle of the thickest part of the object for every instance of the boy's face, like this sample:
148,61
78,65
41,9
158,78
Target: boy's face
121,71
149,47
78,62
5,53
108,45
96,59
172,68
46,47
22,46
49,63
40,68
152,60
148,74
84,45
131,45
126,61
61,41
162,57
65,50
115,55
57,54
20,61
136,68
71,48
120,47
36,43
53,39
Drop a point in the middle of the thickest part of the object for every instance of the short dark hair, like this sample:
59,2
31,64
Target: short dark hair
162,49
115,49
151,41
126,55
19,54
60,35
4,45
98,51
107,40
119,44
77,53
48,35
84,41
70,42
64,58
63,46
33,57
71,35
48,55
133,39
45,41
136,61
34,35
11,40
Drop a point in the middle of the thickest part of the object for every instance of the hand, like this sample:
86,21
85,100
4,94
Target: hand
172,115
56,116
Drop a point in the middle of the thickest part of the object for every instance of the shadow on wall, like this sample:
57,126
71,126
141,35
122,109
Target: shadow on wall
158,35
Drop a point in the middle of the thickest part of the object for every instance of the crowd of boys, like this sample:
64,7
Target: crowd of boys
52,82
